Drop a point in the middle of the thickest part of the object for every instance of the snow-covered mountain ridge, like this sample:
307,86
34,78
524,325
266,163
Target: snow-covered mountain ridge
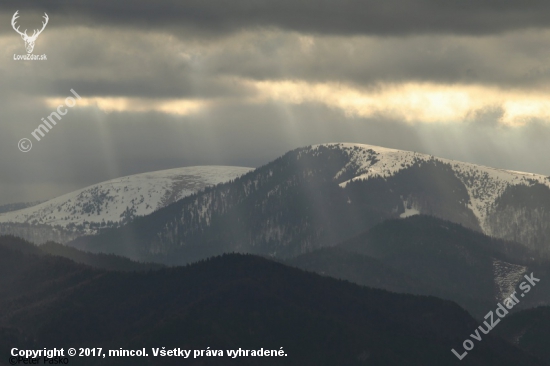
484,184
113,203
320,195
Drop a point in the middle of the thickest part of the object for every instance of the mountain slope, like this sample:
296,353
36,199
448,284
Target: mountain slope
361,269
530,330
111,204
232,302
96,260
321,195
429,256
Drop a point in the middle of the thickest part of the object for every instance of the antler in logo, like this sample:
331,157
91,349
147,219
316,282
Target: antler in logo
29,40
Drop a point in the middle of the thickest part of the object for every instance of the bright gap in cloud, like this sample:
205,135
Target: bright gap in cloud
121,104
412,102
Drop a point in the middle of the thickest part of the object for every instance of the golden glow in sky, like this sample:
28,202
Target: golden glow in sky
124,104
410,102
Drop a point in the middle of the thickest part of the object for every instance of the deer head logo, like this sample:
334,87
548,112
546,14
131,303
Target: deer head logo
29,40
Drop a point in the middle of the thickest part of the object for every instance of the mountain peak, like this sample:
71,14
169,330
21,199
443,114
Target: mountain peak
115,202
484,184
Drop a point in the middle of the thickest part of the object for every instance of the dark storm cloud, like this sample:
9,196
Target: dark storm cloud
205,49
384,17
518,59
114,63
122,63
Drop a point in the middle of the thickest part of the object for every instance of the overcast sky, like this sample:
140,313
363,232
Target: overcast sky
166,84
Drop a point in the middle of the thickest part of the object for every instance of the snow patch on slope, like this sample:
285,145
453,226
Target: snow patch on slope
409,212
507,276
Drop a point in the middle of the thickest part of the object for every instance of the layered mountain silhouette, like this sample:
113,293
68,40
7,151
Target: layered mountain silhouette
96,260
414,245
429,256
230,302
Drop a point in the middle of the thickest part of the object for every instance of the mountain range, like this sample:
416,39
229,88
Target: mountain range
226,303
321,195
339,253
110,204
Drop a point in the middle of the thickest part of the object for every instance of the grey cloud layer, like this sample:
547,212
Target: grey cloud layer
514,59
204,49
156,65
385,17
112,63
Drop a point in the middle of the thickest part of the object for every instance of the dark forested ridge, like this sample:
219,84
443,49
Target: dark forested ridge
97,260
522,214
529,329
229,302
430,256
